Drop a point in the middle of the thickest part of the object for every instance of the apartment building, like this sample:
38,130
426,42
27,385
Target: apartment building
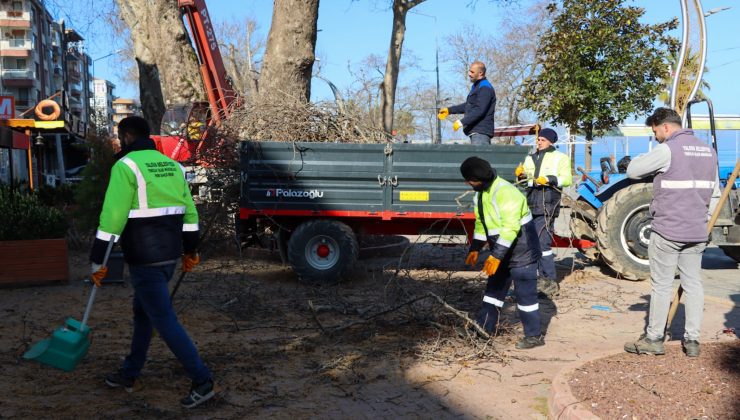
102,106
41,58
122,108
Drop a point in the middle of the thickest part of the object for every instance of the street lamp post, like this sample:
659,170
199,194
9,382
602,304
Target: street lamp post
437,138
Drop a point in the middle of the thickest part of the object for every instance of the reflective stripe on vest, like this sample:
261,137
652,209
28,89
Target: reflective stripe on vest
140,182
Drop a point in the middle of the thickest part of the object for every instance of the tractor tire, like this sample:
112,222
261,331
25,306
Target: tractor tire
732,252
581,227
623,231
322,251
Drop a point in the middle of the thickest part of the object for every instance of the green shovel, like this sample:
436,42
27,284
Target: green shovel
68,344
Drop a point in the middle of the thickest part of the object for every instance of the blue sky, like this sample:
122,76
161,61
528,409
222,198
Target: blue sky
349,31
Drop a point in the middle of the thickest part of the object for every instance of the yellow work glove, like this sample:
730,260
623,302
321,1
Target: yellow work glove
472,258
189,261
519,171
99,272
443,113
542,180
491,265
457,125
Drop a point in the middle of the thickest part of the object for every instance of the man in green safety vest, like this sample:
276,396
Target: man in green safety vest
504,223
148,204
547,172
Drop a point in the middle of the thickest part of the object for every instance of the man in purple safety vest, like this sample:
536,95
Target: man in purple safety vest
685,192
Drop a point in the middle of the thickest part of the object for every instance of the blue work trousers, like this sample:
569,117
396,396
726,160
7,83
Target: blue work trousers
525,291
153,308
545,225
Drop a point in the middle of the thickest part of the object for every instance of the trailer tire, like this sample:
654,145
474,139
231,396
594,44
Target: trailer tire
322,251
732,252
623,231
582,218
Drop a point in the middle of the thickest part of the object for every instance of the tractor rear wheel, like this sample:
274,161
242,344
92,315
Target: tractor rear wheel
623,231
322,251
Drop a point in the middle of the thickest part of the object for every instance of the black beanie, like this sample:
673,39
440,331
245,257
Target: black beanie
477,169
549,134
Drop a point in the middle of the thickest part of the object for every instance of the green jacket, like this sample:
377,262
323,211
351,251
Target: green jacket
555,166
149,205
503,220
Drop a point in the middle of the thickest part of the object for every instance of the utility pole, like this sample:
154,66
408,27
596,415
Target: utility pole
438,138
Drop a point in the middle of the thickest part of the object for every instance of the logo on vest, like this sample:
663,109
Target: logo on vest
699,151
281,193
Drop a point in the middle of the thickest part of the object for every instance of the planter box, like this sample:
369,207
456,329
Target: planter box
33,262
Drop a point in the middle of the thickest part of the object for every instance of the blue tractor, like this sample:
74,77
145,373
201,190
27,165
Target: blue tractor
614,211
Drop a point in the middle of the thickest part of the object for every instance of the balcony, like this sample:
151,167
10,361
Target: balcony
15,19
17,44
18,74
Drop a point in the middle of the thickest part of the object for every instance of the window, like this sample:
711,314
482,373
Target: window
18,5
20,63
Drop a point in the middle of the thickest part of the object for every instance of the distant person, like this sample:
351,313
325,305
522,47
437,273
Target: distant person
148,204
547,172
478,109
503,222
685,189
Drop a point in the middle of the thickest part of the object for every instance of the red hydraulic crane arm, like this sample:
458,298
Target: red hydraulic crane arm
218,87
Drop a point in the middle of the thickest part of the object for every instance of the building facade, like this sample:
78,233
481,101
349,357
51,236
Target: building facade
122,108
42,59
101,106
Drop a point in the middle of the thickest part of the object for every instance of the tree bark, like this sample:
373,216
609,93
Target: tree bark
164,56
390,79
289,55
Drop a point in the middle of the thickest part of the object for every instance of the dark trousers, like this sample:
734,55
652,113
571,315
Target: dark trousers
525,291
153,309
546,266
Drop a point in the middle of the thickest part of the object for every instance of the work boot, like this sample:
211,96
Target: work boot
117,380
548,287
530,342
198,394
691,348
645,345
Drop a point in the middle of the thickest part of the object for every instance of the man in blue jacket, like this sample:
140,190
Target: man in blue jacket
477,122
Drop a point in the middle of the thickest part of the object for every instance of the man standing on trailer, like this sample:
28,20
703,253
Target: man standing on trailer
503,221
547,171
685,192
477,123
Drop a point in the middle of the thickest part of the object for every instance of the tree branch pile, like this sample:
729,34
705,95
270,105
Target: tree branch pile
277,118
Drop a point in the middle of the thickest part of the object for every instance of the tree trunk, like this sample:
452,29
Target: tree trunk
150,95
163,54
289,55
390,78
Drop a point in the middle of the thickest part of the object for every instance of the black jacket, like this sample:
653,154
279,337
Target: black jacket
478,109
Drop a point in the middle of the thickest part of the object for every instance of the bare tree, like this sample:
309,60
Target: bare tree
289,55
242,49
510,57
390,78
167,65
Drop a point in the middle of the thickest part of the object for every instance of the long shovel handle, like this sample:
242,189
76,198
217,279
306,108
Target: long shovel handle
710,225
95,287
177,285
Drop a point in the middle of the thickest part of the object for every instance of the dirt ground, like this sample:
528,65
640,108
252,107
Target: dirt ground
377,346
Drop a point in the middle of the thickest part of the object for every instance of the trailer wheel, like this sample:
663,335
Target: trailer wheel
732,252
581,221
623,231
322,251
